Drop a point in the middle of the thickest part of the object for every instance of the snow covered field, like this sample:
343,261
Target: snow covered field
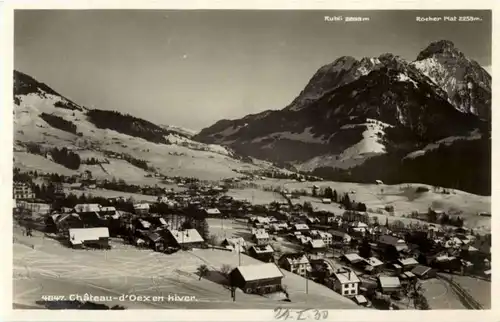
402,196
52,269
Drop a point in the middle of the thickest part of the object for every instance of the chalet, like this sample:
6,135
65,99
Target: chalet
92,237
295,263
258,278
301,228
399,244
326,237
263,253
141,208
316,246
374,265
346,282
389,284
260,236
484,214
326,200
155,241
379,182
22,191
183,238
237,243
407,264
340,236
424,272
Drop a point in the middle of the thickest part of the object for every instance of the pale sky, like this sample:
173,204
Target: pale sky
193,68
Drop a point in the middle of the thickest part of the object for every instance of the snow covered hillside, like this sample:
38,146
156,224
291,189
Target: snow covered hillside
37,104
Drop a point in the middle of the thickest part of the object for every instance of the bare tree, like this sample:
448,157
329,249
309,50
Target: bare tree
225,270
202,271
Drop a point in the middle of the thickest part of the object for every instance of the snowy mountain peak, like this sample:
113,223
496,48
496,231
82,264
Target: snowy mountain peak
441,47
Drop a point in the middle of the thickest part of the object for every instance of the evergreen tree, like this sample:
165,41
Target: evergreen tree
335,196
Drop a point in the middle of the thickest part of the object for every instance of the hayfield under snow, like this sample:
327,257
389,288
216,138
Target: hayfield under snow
51,268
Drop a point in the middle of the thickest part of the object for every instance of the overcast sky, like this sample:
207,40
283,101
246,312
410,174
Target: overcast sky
193,68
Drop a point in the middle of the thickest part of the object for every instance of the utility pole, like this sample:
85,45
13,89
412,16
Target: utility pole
307,279
239,253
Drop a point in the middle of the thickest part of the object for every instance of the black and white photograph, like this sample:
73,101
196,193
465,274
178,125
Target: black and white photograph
294,161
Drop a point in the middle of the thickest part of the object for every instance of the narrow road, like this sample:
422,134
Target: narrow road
467,300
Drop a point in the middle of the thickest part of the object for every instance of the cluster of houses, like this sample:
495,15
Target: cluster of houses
331,253
90,225
330,246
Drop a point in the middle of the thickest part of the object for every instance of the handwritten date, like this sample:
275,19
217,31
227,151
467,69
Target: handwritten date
300,315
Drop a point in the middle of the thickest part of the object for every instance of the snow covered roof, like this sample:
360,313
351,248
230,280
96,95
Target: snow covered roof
108,209
408,261
360,299
469,248
442,258
163,221
260,234
79,235
359,224
144,223
374,261
88,207
346,276
236,241
353,257
301,227
186,236
389,281
317,243
263,249
143,206
259,271
295,259
409,274
212,211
